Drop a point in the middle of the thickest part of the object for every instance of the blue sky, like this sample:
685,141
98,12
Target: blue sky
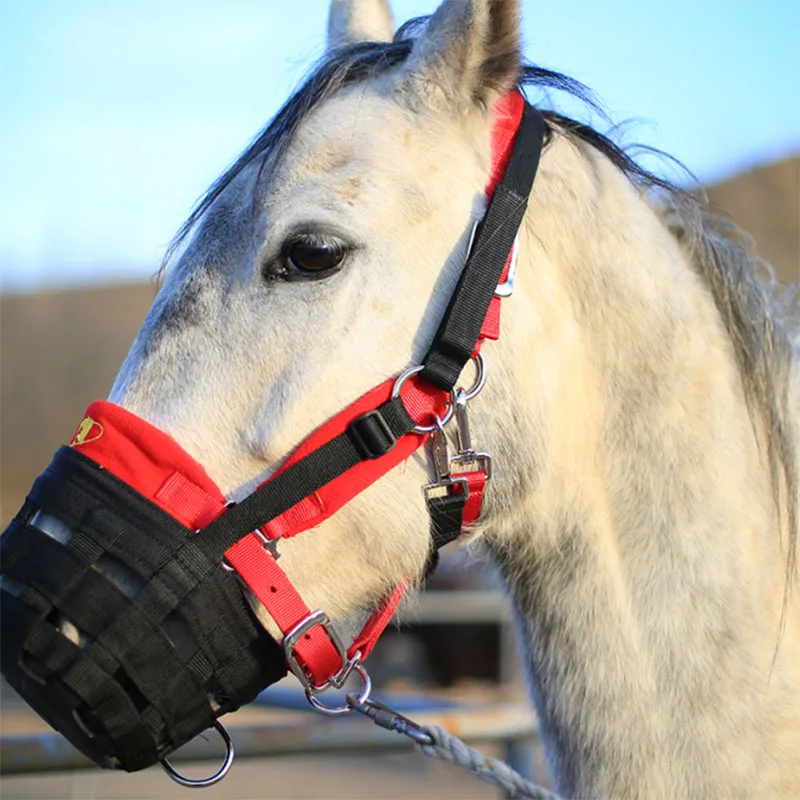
116,116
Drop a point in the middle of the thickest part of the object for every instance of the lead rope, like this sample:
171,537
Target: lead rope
447,747
436,742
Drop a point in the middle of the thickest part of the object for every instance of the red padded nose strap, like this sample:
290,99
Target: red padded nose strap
150,461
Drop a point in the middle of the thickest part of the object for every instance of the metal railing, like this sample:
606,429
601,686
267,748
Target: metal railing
506,724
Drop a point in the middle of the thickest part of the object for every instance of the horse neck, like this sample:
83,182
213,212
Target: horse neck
642,554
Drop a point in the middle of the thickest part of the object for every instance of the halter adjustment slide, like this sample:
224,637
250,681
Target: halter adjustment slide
372,435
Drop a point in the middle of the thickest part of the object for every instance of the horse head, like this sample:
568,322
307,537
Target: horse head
321,266
640,407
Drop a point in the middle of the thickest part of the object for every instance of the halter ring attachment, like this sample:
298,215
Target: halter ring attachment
347,708
398,385
202,783
472,392
480,379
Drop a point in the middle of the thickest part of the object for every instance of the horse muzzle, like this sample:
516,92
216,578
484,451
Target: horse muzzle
119,631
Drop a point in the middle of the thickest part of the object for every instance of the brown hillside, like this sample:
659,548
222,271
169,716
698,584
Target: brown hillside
61,350
58,352
765,202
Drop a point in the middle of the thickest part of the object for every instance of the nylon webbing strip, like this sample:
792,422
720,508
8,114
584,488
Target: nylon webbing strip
446,515
460,329
294,484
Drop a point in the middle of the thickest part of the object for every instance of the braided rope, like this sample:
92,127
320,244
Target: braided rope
450,748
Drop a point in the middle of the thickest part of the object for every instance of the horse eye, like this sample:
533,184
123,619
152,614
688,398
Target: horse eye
315,256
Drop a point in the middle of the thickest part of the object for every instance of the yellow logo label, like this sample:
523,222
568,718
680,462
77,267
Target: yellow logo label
88,431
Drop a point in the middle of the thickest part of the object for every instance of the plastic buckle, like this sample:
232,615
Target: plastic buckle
369,445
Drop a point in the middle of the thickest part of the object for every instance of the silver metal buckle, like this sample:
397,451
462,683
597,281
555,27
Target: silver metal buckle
268,544
293,637
472,462
336,681
506,289
446,487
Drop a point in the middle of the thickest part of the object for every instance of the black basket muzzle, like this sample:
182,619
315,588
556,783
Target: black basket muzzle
115,627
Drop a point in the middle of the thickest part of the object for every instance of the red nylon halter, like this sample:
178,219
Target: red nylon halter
156,466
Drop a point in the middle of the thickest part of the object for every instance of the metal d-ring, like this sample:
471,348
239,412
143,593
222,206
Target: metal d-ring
471,393
339,711
217,776
398,385
480,378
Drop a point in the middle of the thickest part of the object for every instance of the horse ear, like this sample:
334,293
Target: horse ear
351,21
470,52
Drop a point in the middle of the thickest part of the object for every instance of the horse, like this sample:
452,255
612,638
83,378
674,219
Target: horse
642,405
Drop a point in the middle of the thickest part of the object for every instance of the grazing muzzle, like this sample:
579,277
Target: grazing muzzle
116,627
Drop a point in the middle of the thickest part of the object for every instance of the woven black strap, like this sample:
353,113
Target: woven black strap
368,437
446,513
163,629
461,326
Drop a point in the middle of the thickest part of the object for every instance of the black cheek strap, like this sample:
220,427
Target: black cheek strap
461,326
